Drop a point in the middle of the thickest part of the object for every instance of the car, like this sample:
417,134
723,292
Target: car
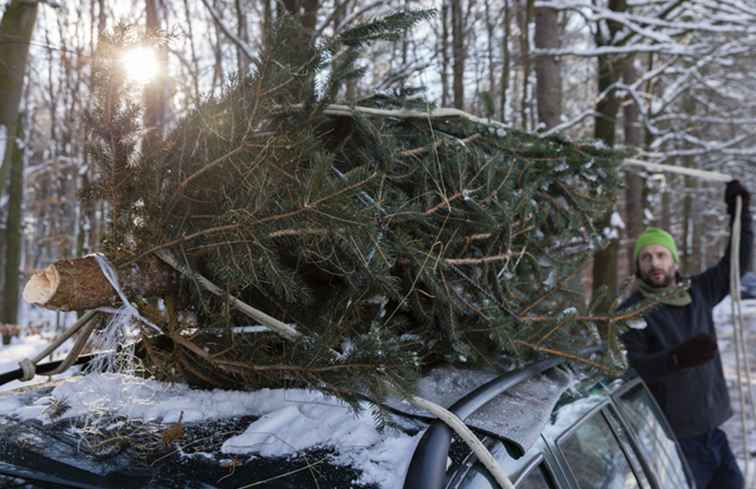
748,286
548,424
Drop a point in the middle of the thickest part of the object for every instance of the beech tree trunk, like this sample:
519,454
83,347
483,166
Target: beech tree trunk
15,35
444,48
13,232
634,183
458,54
548,71
605,128
504,79
78,284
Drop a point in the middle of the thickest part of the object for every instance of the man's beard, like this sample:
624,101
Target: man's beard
664,282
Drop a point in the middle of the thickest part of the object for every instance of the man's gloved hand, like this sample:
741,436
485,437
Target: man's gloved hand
694,351
736,189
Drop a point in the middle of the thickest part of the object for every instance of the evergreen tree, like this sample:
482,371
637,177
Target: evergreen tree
393,237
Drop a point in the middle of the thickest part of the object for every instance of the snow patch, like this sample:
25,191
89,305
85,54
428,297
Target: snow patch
616,220
3,142
291,420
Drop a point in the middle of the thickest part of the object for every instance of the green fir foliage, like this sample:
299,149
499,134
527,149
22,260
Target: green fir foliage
392,243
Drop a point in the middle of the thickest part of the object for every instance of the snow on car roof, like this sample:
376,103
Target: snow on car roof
289,421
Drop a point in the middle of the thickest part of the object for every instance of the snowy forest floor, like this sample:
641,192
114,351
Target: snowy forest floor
723,320
48,324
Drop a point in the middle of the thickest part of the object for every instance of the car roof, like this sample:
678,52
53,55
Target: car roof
516,416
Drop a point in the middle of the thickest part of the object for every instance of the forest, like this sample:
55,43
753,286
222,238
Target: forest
650,81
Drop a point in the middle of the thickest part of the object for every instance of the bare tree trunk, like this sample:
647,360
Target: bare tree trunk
634,184
691,185
665,221
193,50
687,248
13,231
490,99
504,79
16,30
154,96
548,70
444,48
458,54
605,125
242,33
697,263
267,21
15,35
217,47
525,15
306,11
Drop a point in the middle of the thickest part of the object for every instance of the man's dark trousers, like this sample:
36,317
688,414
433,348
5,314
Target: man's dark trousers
712,462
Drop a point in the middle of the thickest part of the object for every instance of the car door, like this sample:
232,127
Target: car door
595,453
529,472
651,435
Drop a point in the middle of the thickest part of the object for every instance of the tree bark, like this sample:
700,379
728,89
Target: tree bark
154,90
458,54
547,68
15,35
78,284
605,126
504,82
13,233
243,34
444,48
634,183
525,15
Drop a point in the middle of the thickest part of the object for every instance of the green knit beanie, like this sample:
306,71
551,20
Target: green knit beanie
656,236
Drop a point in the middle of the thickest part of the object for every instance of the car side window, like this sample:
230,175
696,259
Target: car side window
478,476
595,457
657,445
535,479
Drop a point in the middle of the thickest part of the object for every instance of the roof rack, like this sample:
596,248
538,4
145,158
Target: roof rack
427,469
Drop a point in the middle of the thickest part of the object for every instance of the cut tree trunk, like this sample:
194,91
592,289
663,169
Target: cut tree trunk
79,284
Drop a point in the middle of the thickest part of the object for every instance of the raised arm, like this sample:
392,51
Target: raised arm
715,282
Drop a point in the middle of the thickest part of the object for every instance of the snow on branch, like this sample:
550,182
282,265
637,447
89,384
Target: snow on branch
691,50
656,167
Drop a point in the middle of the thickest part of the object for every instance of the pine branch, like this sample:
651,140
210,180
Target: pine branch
284,330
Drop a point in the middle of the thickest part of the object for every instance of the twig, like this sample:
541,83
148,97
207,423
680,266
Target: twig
208,167
230,227
479,261
285,474
434,146
446,203
446,113
563,354
284,330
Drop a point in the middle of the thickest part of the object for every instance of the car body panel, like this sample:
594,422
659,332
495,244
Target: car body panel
42,453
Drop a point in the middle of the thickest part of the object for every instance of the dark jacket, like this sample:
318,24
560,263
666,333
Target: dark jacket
695,400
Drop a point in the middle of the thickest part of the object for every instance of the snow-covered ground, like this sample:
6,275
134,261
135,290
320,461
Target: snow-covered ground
723,319
40,327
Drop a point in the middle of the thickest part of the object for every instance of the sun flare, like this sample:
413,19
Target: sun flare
141,64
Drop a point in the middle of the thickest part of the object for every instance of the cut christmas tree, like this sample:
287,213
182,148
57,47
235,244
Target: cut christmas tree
343,247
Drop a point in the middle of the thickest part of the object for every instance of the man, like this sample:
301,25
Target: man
676,353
